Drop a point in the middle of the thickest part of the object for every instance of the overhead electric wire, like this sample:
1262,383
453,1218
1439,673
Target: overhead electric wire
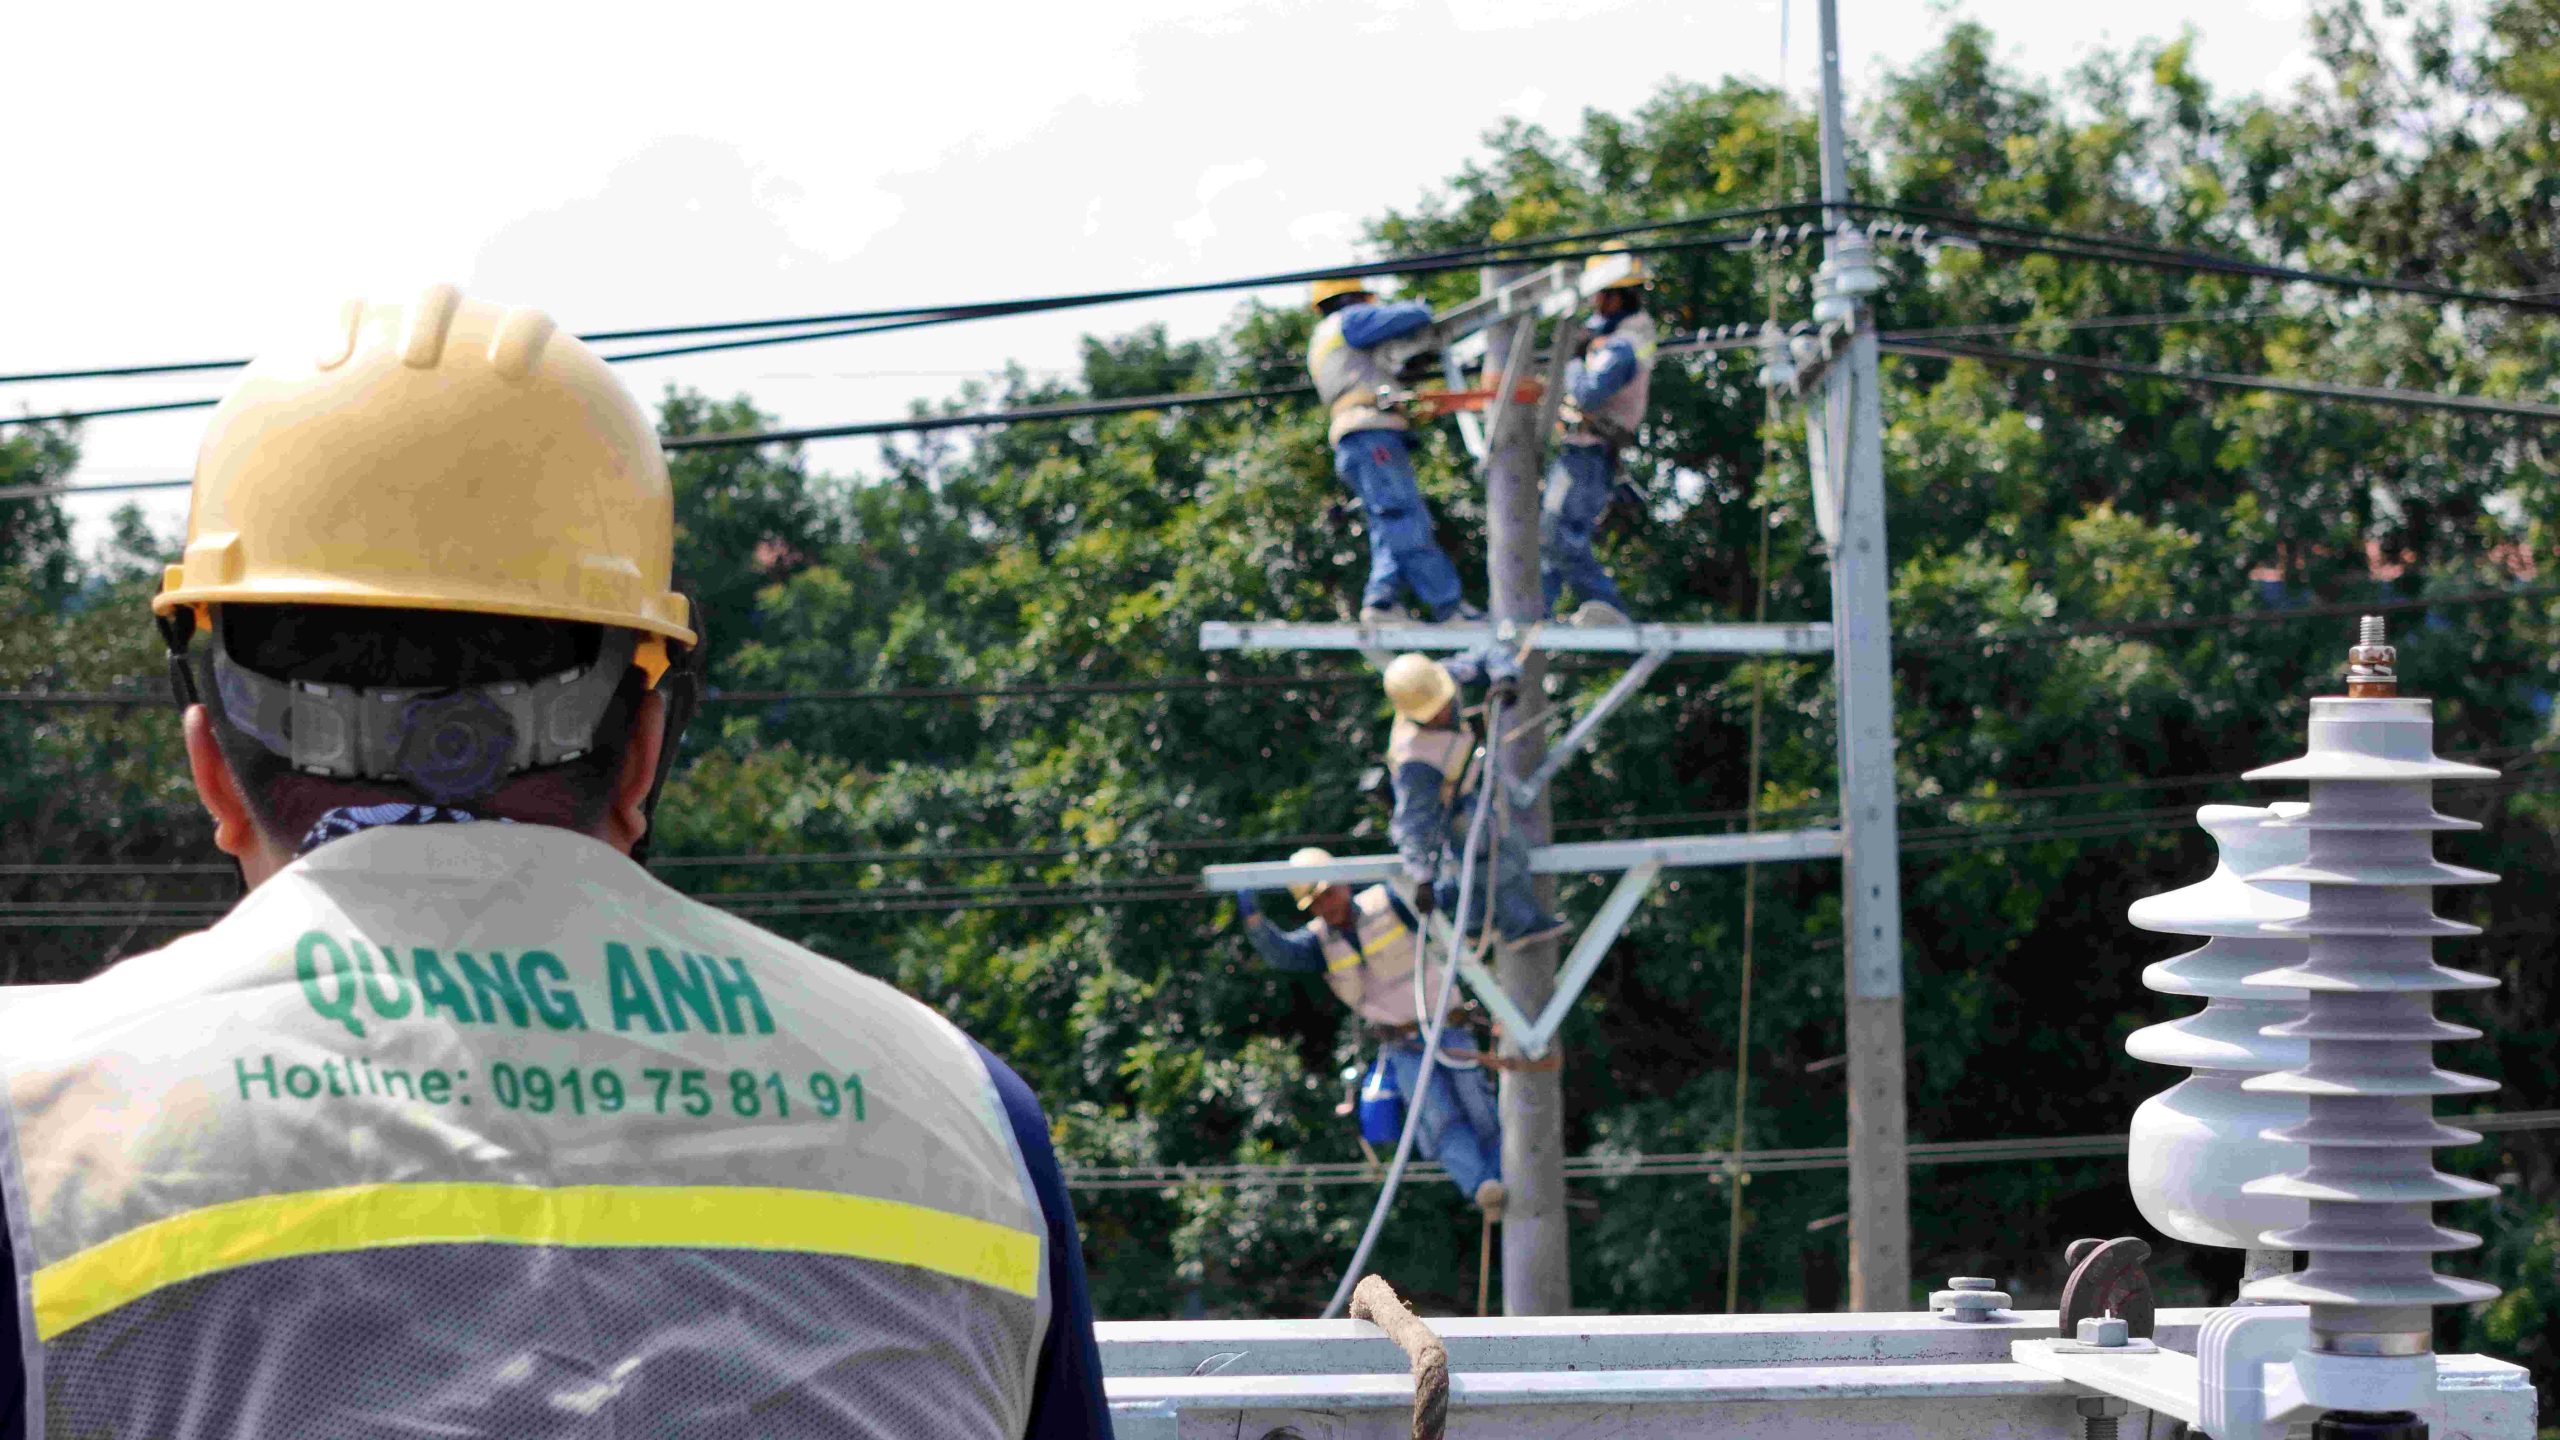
955,314
40,492
2012,635
2012,234
1621,1165
1069,410
1452,257
1140,890
2221,379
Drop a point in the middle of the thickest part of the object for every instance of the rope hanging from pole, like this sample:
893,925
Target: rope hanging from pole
1437,1020
1736,1176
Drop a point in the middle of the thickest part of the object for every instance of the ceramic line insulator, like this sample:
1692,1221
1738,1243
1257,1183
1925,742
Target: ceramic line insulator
2196,1145
2369,1077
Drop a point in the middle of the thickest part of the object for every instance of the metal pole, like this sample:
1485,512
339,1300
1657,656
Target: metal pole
1537,1277
1871,880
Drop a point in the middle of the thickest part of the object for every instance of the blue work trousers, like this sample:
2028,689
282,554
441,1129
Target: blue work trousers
1515,898
1404,554
1577,495
1460,1126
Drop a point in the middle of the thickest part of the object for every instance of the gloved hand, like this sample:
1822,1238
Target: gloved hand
1502,672
1426,898
1245,908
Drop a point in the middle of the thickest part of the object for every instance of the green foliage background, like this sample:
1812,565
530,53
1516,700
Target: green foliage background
2050,779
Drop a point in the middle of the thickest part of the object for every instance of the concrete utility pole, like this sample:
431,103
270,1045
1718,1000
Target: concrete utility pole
1537,1275
1849,442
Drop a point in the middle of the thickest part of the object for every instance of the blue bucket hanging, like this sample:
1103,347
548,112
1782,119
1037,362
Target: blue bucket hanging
1381,1104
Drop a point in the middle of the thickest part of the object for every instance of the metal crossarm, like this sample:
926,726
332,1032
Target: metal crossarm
1805,638
1593,857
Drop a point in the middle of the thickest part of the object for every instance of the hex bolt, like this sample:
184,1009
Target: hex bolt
2102,1412
2107,1331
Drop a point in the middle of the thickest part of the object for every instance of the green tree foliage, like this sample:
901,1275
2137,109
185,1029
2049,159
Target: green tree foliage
2050,773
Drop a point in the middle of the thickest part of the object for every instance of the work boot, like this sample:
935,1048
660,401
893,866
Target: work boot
1490,1197
1461,613
1384,615
1546,927
1599,612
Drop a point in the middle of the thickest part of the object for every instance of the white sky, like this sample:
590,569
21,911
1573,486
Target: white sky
191,178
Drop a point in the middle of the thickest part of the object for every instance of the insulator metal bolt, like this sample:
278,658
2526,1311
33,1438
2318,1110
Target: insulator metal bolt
2372,672
1969,1298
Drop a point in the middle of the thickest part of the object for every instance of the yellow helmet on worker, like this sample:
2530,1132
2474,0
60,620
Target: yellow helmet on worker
1419,687
447,454
1614,270
1304,892
1336,287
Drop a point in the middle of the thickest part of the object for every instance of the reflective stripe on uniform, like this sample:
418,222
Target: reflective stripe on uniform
367,1217
431,1087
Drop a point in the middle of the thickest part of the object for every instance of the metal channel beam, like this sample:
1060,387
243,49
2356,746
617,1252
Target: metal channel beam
1737,638
1132,1348
1673,852
1527,295
1856,1402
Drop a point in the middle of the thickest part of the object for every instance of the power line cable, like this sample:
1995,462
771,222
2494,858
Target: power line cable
2314,389
1624,1165
2010,234
1449,258
1919,643
1143,888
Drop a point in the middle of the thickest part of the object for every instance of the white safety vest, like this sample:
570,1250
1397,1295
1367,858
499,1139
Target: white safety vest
479,1131
1614,421
1451,751
1374,969
1347,380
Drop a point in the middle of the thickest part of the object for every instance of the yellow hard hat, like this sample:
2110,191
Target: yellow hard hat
1617,270
449,454
1324,290
1305,894
1418,686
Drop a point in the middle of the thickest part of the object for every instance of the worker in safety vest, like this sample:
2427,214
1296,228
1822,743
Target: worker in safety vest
1433,763
1370,948
1606,390
1350,359
461,1123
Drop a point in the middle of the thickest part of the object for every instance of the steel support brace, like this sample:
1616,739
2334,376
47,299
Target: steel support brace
1588,951
1526,792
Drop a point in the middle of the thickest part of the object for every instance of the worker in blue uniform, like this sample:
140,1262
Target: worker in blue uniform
1436,769
1371,950
1607,387
1352,355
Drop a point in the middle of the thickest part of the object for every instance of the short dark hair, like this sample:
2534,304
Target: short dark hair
365,646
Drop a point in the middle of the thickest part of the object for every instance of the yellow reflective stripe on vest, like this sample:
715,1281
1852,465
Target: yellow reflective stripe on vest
1393,935
367,1217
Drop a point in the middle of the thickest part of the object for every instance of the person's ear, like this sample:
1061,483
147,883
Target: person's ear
626,817
235,827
